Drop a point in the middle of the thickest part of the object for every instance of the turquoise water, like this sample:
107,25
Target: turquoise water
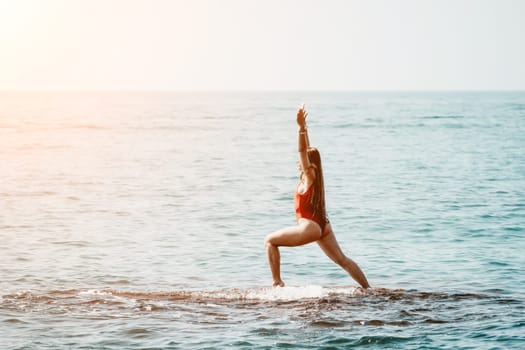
136,220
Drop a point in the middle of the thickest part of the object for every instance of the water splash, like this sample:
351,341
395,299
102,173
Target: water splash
81,299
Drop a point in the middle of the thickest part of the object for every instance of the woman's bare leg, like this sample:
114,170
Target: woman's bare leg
331,248
274,259
306,232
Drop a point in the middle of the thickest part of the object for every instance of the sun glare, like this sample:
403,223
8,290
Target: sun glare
18,19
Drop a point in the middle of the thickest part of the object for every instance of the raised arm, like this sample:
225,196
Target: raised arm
306,136
303,144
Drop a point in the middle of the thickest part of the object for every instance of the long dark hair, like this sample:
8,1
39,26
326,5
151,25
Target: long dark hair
317,201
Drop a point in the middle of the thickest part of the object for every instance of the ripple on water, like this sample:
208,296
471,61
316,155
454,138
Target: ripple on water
138,332
14,320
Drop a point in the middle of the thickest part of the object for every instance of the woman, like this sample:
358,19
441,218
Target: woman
312,222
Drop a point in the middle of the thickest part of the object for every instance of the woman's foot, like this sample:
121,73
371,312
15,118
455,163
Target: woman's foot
359,291
278,283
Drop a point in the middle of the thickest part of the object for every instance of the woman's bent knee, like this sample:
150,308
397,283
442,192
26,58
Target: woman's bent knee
268,241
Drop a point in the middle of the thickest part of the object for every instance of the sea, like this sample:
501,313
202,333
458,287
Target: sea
136,220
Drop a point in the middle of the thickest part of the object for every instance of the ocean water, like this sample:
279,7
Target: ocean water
136,220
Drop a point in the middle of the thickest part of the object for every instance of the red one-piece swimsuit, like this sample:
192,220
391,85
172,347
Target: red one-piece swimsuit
304,210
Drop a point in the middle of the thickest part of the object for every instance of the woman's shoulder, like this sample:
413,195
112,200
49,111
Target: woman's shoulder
310,173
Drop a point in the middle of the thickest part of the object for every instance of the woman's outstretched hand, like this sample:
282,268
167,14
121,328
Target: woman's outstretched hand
301,117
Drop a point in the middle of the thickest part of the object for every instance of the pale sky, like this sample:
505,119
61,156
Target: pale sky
262,45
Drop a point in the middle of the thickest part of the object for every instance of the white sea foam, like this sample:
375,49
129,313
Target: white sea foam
94,292
296,292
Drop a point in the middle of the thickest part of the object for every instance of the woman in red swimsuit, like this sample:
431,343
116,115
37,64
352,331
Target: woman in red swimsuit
312,222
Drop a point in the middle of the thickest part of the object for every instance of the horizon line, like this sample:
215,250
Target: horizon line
2,90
